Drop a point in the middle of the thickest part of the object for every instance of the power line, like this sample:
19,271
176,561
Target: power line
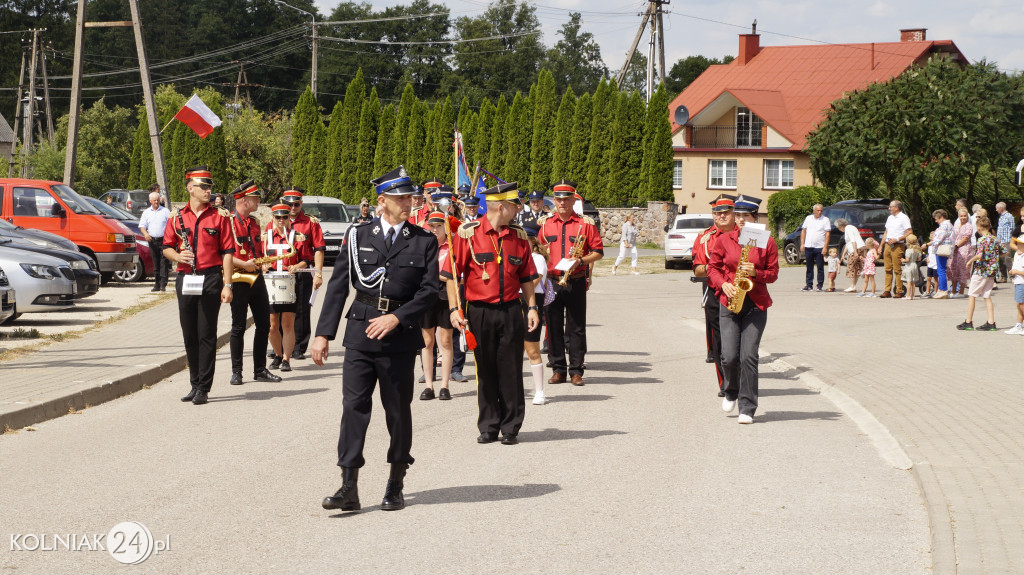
431,42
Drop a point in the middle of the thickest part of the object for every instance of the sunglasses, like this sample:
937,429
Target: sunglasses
280,217
204,187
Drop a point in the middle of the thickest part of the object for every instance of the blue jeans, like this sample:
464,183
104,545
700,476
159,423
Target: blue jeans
814,257
940,263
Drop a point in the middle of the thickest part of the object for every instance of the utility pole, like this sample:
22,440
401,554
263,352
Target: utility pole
316,51
70,155
147,92
653,17
17,115
30,106
46,96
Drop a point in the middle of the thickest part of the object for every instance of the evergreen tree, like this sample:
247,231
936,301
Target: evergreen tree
382,154
333,153
168,102
306,118
478,151
316,183
368,120
600,142
543,133
563,133
627,149
466,120
582,122
519,131
499,139
428,157
415,138
141,139
399,136
656,170
355,95
444,152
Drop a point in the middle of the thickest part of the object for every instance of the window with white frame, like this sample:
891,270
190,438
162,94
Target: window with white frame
778,173
722,174
677,174
748,128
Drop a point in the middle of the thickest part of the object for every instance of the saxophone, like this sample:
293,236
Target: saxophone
576,252
250,278
741,282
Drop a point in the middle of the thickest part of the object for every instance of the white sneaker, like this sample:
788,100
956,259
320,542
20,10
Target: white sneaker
728,404
636,273
850,289
613,270
1015,330
539,399
869,295
744,418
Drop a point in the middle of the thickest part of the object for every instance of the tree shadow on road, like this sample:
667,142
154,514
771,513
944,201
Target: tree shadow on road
552,434
788,374
621,380
481,493
573,397
625,366
786,391
772,357
618,353
772,416
268,394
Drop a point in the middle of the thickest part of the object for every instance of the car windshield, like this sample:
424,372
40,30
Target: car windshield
694,224
75,202
327,212
874,216
106,210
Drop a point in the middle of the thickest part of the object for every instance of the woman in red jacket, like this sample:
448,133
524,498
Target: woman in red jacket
741,333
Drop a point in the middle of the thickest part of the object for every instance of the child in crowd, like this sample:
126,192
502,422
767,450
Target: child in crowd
984,266
911,269
932,270
868,255
833,268
1017,273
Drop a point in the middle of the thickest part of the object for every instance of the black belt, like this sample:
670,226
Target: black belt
383,304
502,305
204,272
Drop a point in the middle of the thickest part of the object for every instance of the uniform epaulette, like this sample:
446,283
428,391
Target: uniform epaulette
223,213
519,231
541,220
705,238
589,220
467,229
174,213
314,219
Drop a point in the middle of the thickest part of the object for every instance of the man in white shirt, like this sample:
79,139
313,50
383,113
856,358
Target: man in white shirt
813,241
894,242
152,223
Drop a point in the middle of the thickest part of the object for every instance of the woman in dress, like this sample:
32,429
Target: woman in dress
852,242
957,272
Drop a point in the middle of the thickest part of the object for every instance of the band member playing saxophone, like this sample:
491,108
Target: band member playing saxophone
742,330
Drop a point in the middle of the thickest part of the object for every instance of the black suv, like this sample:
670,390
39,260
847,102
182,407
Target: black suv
867,215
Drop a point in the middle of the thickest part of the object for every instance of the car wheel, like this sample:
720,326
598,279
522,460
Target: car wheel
12,318
792,254
134,275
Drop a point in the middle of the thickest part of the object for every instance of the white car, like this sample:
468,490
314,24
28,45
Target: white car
679,239
335,219
43,283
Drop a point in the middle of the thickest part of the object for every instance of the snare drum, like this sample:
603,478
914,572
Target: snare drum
280,287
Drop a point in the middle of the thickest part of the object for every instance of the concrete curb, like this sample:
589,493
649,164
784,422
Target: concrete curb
61,406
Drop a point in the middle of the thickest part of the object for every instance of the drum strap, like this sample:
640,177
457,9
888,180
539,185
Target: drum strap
279,248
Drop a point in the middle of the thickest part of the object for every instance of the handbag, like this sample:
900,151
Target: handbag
944,251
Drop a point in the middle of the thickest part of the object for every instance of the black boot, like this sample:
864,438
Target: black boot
393,499
347,497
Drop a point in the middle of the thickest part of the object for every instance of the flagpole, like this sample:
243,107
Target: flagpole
167,124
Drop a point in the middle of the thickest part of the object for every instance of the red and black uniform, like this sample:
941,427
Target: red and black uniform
495,264
249,246
279,245
209,236
566,316
309,238
741,333
702,248
419,217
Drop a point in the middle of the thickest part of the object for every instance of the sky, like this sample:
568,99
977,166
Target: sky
983,29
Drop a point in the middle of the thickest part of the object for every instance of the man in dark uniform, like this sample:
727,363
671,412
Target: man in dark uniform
199,241
310,244
527,219
249,296
567,314
703,245
497,262
472,204
392,265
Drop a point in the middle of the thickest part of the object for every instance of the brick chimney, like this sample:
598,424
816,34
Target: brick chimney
913,34
750,45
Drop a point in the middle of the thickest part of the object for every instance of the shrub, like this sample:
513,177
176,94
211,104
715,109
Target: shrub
788,208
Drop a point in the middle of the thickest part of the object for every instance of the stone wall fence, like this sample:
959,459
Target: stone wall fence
650,222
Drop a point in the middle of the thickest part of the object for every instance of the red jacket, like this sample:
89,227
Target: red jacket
726,256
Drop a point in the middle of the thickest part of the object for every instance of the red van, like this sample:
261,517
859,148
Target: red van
56,208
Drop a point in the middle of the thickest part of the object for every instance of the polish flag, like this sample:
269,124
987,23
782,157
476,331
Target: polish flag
196,115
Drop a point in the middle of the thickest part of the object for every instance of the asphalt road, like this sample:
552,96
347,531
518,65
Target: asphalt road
639,471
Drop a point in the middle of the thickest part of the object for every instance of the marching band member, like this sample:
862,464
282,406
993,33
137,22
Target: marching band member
436,320
496,261
741,332
703,245
421,207
200,242
392,266
248,247
567,314
281,238
309,241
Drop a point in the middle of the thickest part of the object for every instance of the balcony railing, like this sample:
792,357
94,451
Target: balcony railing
719,137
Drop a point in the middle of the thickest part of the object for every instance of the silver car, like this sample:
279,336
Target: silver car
42,283
7,297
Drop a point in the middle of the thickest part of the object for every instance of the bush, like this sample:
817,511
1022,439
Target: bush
788,208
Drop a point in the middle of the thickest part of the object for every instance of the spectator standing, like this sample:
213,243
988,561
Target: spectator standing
627,242
984,264
931,269
959,276
894,243
1017,273
833,268
1004,233
942,241
852,242
813,241
869,253
152,224
911,271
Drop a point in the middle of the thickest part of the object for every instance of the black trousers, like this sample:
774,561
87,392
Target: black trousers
499,330
361,371
247,298
303,291
567,327
741,337
713,331
815,258
198,317
160,264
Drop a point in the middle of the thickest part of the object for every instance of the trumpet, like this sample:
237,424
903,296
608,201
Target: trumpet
576,252
249,278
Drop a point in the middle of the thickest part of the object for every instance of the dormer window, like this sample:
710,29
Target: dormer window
748,128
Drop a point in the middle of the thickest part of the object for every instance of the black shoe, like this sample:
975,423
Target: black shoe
270,354
265,375
191,394
987,327
509,440
444,394
276,364
200,398
709,359
549,364
347,497
806,288
427,394
298,355
487,438
721,393
236,378
393,498
966,326
285,366
155,289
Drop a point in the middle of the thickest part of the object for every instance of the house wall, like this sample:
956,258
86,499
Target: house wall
695,194
775,139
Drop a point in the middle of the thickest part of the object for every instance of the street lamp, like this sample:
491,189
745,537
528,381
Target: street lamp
315,43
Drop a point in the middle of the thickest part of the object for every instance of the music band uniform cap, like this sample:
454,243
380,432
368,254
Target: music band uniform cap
201,174
747,204
464,189
508,192
281,210
536,195
246,188
441,194
293,196
564,189
472,201
435,218
394,183
723,202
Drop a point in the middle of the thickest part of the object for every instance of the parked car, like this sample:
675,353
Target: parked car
53,207
680,236
133,201
42,283
38,237
144,267
335,219
867,215
87,279
7,297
